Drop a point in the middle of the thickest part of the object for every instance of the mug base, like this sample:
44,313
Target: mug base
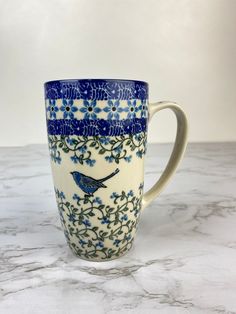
97,259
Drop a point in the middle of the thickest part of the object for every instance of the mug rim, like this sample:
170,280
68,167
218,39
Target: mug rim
97,80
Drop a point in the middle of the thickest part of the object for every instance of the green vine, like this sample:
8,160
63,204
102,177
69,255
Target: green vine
113,148
98,231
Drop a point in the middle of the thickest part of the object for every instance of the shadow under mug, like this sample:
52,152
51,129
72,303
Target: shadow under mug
97,135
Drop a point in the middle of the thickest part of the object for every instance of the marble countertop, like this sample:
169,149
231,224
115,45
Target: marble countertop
183,259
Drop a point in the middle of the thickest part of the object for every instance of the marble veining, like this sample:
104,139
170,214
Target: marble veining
183,259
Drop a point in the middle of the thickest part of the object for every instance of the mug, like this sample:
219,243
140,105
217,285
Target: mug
97,136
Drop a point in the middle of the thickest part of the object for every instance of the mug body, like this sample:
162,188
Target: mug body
97,134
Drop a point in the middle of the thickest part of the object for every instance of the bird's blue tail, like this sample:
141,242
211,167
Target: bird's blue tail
110,175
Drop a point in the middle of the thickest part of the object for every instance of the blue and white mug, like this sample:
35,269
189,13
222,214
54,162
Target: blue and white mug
97,135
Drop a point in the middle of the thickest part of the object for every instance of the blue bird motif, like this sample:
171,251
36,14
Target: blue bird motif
88,184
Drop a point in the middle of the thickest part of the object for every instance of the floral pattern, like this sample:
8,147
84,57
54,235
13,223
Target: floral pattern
96,230
96,89
144,109
113,109
112,149
90,110
68,108
96,127
52,108
131,109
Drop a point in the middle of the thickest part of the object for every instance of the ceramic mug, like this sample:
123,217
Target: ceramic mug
97,135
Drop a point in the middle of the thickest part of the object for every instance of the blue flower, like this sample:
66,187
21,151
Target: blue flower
139,153
82,242
75,159
110,159
125,217
104,140
100,244
105,220
83,148
113,108
131,109
90,109
114,195
68,108
128,237
98,200
130,193
144,109
70,141
62,195
128,158
90,162
118,149
138,137
72,217
87,223
116,242
52,108
76,197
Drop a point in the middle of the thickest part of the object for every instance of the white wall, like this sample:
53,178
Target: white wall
185,49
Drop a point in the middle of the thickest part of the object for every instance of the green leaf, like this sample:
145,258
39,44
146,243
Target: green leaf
101,206
102,151
92,144
74,141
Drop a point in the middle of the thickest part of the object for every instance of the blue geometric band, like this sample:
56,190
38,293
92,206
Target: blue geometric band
96,89
88,127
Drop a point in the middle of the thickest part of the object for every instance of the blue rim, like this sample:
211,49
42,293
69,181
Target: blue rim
96,89
96,80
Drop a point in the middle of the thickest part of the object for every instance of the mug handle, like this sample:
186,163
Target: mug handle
178,150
